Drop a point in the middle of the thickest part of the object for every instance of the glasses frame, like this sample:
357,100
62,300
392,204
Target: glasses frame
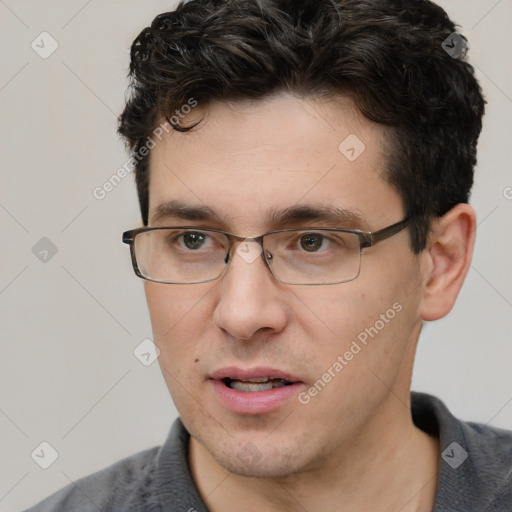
366,239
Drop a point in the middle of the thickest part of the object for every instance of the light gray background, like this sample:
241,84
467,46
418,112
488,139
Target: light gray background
70,325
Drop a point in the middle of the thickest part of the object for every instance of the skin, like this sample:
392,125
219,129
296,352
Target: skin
353,446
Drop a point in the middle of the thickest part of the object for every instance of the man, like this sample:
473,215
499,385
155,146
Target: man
303,170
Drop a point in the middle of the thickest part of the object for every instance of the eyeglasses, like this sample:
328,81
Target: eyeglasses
304,256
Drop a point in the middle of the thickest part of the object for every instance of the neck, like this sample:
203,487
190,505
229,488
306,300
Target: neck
390,465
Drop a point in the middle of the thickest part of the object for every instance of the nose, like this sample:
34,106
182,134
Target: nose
249,299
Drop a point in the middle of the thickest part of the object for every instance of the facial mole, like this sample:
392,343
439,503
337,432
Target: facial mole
196,360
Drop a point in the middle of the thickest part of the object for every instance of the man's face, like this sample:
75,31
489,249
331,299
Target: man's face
245,160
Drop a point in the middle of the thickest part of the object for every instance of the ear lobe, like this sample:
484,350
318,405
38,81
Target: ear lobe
449,258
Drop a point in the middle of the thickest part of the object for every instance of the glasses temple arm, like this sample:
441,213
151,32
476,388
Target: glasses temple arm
385,233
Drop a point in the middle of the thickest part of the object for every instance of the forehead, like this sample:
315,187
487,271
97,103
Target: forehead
248,160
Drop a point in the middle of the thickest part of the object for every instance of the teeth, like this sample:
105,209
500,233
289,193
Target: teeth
251,385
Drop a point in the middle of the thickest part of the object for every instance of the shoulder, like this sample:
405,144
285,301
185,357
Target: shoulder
475,466
143,482
489,451
127,485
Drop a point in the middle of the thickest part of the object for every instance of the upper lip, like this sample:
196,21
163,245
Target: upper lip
258,372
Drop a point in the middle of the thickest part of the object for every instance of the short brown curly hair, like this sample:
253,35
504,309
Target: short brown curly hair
387,55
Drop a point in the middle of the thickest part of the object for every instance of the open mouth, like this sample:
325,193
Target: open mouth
254,391
256,384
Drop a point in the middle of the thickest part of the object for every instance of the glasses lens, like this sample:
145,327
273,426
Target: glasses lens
313,256
179,255
173,255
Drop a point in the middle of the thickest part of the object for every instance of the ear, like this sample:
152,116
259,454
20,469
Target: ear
446,261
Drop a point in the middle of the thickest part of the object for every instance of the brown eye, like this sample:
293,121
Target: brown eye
311,242
193,240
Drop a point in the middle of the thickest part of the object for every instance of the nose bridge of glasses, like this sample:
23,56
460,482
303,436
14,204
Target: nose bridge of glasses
247,248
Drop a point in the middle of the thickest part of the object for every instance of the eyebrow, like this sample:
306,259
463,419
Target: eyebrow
181,210
329,215
277,217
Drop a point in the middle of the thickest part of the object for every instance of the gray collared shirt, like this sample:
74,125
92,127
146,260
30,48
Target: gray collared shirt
475,471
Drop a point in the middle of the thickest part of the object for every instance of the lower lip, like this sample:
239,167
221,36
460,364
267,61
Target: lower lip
255,402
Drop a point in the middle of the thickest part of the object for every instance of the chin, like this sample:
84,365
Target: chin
260,458
266,467
252,453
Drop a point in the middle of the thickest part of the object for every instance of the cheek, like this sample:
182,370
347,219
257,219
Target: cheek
337,314
369,324
174,306
178,317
